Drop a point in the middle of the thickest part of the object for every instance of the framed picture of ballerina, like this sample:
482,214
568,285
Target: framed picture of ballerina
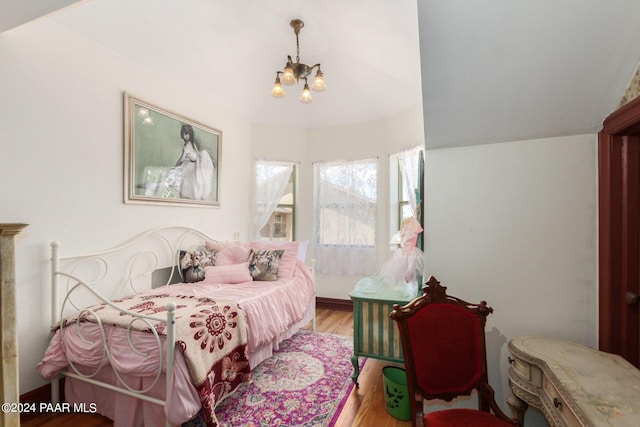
169,159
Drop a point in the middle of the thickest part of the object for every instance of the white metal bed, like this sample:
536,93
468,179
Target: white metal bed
147,261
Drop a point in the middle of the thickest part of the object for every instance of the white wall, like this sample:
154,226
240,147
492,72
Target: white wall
61,151
515,224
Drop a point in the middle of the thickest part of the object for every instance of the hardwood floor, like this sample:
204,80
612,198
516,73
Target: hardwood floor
364,408
76,420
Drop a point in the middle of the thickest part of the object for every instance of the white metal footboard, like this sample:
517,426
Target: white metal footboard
88,313
80,295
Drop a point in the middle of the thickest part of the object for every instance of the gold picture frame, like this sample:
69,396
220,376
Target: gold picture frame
169,159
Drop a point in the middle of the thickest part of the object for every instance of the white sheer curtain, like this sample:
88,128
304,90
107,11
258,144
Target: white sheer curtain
345,202
271,181
408,161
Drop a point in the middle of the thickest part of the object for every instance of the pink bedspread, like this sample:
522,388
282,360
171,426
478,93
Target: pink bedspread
270,308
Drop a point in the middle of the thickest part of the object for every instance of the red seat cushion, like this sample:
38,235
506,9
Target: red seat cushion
462,418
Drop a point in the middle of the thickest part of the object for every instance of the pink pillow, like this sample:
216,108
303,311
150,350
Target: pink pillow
233,273
228,252
289,258
217,245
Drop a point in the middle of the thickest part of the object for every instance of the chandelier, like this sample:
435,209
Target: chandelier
296,71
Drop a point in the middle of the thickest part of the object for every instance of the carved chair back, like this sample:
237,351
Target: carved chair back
443,342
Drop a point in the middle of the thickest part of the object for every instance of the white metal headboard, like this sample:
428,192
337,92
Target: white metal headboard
122,270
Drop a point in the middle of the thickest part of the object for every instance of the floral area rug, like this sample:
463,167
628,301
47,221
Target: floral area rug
305,383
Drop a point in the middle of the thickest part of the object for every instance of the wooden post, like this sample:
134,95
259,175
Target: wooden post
9,393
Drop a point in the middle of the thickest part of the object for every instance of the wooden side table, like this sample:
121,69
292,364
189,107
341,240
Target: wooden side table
375,335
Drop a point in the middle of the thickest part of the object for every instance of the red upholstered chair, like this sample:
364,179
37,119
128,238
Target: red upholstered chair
443,342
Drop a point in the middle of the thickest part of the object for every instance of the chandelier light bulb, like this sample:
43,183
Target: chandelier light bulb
278,90
318,82
288,77
305,96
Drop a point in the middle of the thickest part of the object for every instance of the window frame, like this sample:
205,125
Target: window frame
396,195
292,206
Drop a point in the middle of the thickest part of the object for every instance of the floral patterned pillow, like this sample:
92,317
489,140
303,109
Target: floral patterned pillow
192,264
288,261
263,264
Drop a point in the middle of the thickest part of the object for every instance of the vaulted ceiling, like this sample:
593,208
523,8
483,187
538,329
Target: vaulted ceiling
488,71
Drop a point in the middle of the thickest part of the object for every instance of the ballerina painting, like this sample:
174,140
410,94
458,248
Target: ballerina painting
196,167
169,159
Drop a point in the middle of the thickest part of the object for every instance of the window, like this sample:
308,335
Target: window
275,200
346,194
281,223
406,192
404,205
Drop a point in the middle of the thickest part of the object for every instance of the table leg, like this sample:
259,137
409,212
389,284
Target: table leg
518,407
356,370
